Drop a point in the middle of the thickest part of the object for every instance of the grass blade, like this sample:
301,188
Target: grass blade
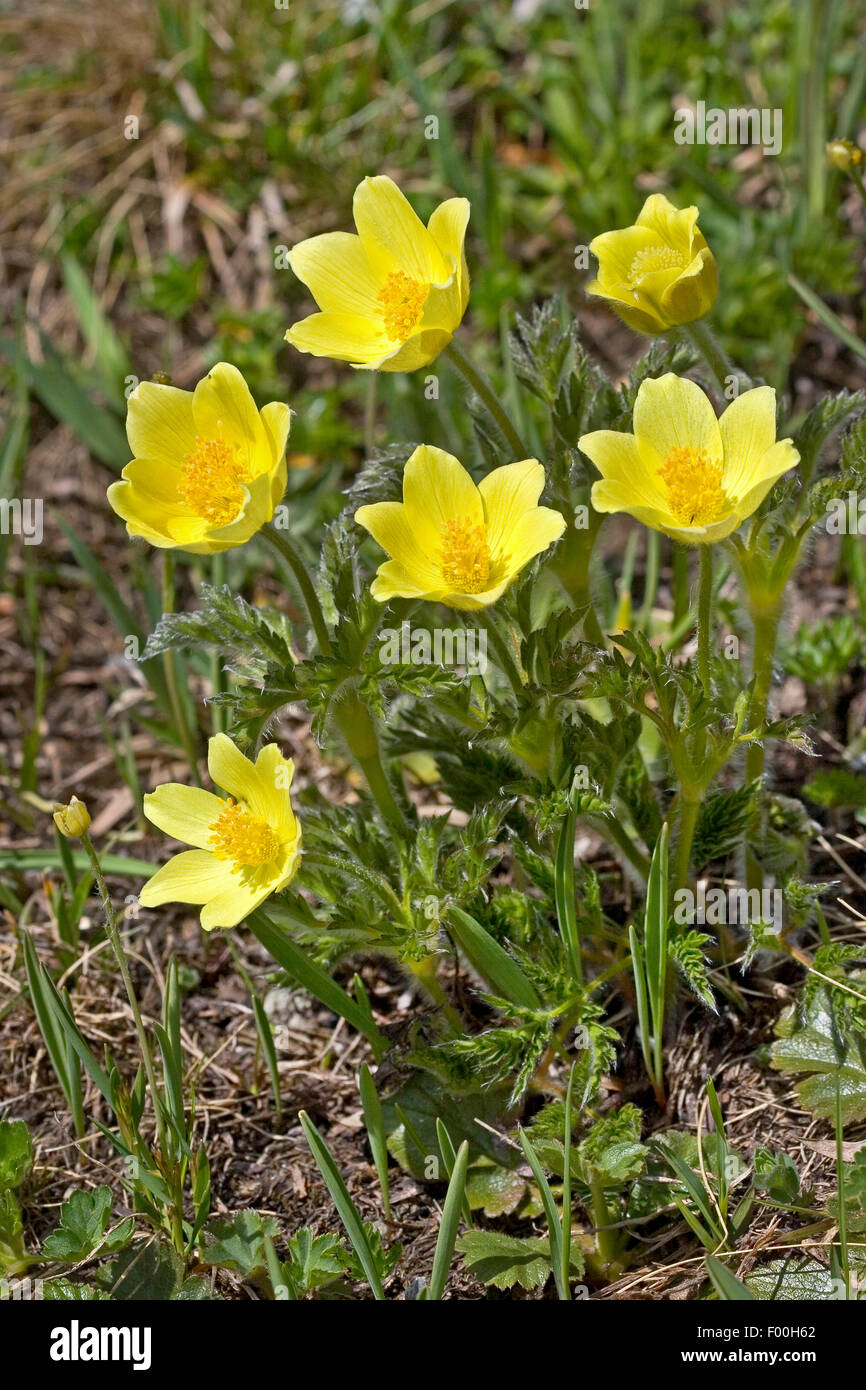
449,1224
726,1284
375,1122
554,1227
346,1208
315,979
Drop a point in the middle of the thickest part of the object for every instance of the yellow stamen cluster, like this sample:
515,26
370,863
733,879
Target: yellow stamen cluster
694,485
244,839
402,300
653,258
212,478
465,555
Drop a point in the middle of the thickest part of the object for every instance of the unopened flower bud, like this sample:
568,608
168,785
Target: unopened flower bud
72,820
844,155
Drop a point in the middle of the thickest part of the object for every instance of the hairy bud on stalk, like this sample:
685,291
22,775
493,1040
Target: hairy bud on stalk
844,155
73,820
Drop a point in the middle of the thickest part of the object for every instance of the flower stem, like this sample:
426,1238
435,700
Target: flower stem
689,808
765,626
680,583
424,972
370,413
705,615
217,677
483,389
380,789
287,552
169,662
703,341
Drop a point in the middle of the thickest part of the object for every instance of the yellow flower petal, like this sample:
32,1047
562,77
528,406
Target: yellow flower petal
507,493
470,603
392,580
234,903
612,495
447,226
389,525
674,226
223,407
531,534
618,459
616,253
694,292
771,467
670,413
335,269
145,511
437,489
275,774
277,420
393,235
345,337
159,423
233,772
191,877
185,813
748,430
417,351
190,533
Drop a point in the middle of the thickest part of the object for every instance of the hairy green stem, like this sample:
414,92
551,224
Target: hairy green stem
705,615
689,807
217,675
424,972
765,627
485,392
370,413
702,339
287,552
169,661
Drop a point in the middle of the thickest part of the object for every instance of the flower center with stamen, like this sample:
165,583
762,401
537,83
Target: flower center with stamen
212,478
694,486
465,555
244,839
402,300
653,258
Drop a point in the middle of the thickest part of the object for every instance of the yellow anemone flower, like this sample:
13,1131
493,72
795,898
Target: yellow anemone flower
248,845
658,273
392,296
454,542
685,472
209,467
